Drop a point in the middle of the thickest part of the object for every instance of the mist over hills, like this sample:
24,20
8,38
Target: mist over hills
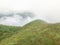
16,18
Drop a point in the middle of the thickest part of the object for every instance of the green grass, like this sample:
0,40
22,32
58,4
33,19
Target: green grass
7,31
34,33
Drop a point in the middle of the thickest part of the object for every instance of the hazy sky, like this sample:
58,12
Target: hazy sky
46,9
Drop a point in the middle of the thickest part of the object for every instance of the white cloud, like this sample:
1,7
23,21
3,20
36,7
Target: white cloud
14,20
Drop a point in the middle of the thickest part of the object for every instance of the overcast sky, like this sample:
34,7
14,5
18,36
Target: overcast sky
48,10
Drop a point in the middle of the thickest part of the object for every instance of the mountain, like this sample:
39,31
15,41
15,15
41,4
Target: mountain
36,32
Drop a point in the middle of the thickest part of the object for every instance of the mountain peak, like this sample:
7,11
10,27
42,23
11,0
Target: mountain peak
39,21
36,23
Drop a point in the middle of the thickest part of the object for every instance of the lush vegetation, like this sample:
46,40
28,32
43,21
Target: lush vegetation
7,31
34,33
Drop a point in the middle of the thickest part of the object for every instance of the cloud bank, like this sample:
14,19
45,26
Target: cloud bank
16,19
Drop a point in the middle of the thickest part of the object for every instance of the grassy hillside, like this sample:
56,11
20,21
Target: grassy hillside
34,33
7,31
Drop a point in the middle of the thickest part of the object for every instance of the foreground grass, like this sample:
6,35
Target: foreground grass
7,31
34,33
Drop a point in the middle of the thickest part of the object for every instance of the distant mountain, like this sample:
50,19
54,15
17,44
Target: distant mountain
36,32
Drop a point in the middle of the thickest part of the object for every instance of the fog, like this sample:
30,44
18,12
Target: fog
47,10
16,19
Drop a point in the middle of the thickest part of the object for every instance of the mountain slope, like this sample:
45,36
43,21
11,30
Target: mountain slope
7,31
35,33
